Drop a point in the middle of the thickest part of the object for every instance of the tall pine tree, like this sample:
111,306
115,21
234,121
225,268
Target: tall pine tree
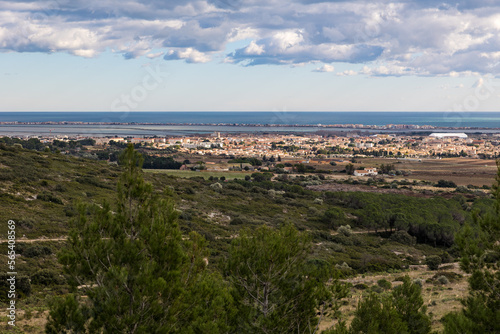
275,287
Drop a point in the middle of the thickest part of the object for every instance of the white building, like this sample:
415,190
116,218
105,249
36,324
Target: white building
366,172
448,134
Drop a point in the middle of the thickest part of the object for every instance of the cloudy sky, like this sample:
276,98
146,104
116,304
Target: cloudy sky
262,55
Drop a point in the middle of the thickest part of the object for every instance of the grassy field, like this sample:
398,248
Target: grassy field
462,171
204,174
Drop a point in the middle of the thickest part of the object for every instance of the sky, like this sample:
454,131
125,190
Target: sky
252,55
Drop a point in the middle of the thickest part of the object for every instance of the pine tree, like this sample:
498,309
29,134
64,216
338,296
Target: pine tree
276,289
135,270
377,314
399,312
408,301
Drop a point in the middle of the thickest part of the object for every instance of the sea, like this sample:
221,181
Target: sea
184,123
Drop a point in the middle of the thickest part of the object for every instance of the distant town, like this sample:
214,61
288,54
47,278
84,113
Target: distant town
310,146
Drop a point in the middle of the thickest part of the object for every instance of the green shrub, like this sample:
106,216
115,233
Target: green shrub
60,188
26,223
419,282
433,262
48,197
450,275
445,184
337,248
404,238
36,251
443,280
237,221
446,258
46,277
235,186
360,286
345,230
216,186
384,284
23,286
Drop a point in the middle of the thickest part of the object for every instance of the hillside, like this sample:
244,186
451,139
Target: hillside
41,190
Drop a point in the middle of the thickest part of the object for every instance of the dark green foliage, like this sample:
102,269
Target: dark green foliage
252,161
334,217
60,188
407,299
403,238
92,180
152,162
275,288
48,197
23,287
480,249
349,169
87,142
445,184
446,257
35,251
259,177
361,286
377,314
433,221
118,144
400,312
433,262
46,277
384,284
67,316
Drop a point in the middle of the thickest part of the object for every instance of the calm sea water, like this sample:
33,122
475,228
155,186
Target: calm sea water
180,122
443,119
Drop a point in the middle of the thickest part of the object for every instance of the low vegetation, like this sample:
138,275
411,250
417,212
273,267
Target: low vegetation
217,224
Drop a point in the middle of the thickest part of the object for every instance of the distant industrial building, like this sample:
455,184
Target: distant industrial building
448,135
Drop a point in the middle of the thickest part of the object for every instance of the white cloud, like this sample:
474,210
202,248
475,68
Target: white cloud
190,55
254,49
386,70
409,37
347,73
325,68
155,55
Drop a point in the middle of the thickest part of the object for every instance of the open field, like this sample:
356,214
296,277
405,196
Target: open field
462,171
204,174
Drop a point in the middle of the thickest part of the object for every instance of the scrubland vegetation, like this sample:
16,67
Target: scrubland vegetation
245,255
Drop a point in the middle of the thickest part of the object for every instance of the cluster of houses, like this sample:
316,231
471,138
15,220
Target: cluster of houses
305,147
